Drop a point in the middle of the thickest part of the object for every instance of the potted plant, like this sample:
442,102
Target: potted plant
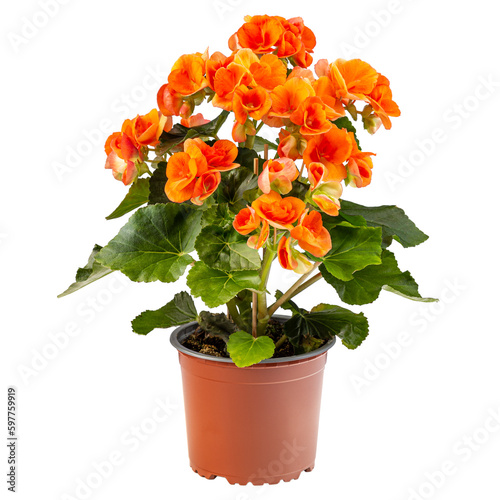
226,211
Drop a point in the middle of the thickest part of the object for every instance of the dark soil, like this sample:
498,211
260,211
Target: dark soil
203,343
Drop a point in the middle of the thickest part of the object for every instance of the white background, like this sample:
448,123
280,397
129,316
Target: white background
386,423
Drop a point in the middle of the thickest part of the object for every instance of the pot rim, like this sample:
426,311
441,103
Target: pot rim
185,330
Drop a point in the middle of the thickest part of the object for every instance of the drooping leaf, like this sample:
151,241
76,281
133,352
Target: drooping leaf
92,271
246,350
392,220
179,133
217,325
217,287
225,249
324,322
260,143
243,301
289,305
366,284
233,186
344,122
155,243
137,196
353,248
179,311
157,185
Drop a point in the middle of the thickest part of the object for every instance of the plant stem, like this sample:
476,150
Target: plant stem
262,314
250,141
291,291
280,341
307,284
258,128
254,314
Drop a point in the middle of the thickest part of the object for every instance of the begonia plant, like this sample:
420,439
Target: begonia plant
227,209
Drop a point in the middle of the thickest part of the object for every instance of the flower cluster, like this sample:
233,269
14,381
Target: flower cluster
265,80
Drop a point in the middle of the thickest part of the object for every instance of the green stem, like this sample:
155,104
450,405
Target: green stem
257,129
235,315
250,141
292,290
307,284
280,342
262,315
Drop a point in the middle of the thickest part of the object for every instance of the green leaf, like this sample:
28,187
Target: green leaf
137,196
155,243
179,311
218,215
217,287
392,220
324,322
344,122
260,142
88,274
353,248
366,284
179,133
157,185
217,325
226,249
246,350
233,186
246,158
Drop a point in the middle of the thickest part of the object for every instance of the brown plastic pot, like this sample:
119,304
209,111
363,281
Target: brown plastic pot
257,424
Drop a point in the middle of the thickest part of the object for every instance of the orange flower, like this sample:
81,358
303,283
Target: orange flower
123,145
216,61
246,221
288,97
316,172
278,175
332,149
220,156
352,79
291,145
181,174
253,103
314,116
182,170
285,255
194,121
327,197
269,72
305,74
280,212
325,89
125,171
169,101
241,130
311,235
245,58
226,81
259,33
259,240
147,129
205,185
188,74
381,101
291,259
359,165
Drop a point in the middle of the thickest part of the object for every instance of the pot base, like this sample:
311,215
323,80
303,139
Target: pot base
257,481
